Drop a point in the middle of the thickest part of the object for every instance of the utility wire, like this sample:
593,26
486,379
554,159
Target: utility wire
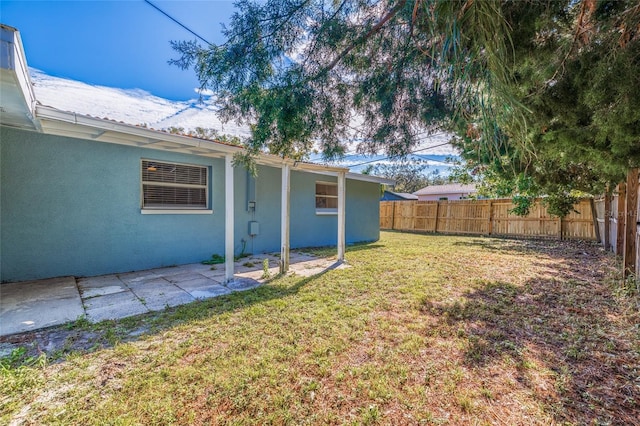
176,21
356,154
396,156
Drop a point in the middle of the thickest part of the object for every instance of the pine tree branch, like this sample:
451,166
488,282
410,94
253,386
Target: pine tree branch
394,11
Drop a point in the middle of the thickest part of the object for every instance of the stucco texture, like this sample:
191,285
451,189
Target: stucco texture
72,207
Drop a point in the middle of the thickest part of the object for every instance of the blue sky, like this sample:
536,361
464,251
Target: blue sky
122,44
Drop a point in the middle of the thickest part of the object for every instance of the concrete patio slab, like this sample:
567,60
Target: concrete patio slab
114,306
197,283
192,267
209,291
182,276
214,273
32,305
99,281
242,284
38,304
159,294
134,277
100,286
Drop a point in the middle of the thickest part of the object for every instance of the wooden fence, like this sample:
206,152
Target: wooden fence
618,225
486,217
613,220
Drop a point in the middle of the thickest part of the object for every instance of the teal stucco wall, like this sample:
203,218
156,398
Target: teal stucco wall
72,207
307,229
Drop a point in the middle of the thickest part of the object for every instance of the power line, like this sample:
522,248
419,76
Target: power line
176,21
396,156
425,158
356,154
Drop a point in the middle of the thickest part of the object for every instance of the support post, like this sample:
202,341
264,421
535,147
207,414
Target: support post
284,219
622,195
342,183
435,222
228,218
631,213
490,217
607,220
560,227
594,217
393,214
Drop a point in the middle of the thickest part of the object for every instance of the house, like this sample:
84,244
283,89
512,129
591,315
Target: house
451,191
397,196
84,196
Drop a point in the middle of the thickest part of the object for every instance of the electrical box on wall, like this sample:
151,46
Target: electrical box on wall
254,228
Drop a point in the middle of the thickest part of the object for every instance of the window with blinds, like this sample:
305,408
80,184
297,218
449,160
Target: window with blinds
326,197
174,186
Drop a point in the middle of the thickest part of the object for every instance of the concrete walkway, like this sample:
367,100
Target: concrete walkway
28,306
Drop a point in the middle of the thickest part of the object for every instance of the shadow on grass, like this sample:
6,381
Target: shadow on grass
542,245
326,251
557,325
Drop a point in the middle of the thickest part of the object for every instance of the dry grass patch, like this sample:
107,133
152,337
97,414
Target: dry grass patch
421,330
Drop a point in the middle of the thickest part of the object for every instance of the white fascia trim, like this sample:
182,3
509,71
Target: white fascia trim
175,211
49,113
319,168
22,70
370,178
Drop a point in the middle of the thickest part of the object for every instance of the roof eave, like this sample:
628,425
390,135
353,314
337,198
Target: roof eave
65,123
370,178
18,96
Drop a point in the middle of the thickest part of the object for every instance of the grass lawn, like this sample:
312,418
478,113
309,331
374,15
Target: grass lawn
420,330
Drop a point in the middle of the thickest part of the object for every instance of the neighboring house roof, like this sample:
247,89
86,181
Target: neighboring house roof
451,188
21,109
406,195
397,196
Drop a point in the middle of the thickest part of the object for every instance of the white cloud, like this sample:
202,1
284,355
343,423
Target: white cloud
204,92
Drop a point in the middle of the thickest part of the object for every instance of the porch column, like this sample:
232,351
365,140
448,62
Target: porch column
284,219
342,179
228,217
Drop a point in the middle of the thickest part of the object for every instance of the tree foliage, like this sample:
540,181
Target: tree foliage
539,91
307,72
576,73
410,174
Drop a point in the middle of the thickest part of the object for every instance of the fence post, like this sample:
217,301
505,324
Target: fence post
622,195
560,226
435,227
631,216
414,213
594,215
393,215
607,219
490,217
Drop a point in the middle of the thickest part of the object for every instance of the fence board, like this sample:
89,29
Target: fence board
485,217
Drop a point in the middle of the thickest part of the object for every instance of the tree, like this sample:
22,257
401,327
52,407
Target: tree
542,91
575,69
378,64
410,174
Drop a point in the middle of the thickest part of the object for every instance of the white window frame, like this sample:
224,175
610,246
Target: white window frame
175,209
325,211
